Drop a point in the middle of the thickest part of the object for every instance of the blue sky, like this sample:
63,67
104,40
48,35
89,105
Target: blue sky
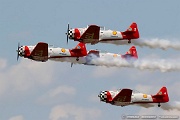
53,90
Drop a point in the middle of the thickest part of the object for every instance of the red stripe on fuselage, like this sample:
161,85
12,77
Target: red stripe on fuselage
109,97
112,39
26,51
63,56
159,100
76,34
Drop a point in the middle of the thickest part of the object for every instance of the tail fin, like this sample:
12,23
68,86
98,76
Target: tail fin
79,50
132,32
163,92
132,53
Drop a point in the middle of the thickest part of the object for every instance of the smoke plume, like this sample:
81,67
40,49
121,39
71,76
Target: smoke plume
171,106
165,106
163,44
143,64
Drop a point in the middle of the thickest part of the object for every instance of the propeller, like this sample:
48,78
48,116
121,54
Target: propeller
18,51
67,33
99,96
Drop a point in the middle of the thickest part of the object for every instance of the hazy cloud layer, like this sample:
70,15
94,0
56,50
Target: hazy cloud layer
58,94
19,117
24,76
70,111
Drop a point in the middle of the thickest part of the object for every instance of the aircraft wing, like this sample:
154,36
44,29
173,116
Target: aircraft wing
40,52
91,34
123,96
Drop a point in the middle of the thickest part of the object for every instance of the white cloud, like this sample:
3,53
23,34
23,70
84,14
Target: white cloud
69,111
102,71
56,94
3,63
62,89
158,111
25,75
19,117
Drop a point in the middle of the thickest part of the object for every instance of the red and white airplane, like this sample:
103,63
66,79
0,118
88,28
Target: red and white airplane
123,97
42,52
94,34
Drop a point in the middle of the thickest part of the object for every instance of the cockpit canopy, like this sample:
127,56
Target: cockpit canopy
101,27
135,91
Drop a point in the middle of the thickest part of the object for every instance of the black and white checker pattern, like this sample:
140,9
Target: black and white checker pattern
21,51
70,34
103,96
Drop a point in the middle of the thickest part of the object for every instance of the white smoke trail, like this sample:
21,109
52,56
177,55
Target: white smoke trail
165,106
143,64
171,106
158,64
163,44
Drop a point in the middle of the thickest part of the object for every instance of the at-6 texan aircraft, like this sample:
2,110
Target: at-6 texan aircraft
42,52
94,34
123,97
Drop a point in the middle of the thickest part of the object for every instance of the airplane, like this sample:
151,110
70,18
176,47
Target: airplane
42,52
124,97
94,34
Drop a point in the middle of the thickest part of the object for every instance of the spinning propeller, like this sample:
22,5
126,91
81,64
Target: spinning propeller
99,96
67,33
18,51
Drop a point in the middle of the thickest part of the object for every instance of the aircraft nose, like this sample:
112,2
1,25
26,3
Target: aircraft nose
99,94
103,96
20,51
70,33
